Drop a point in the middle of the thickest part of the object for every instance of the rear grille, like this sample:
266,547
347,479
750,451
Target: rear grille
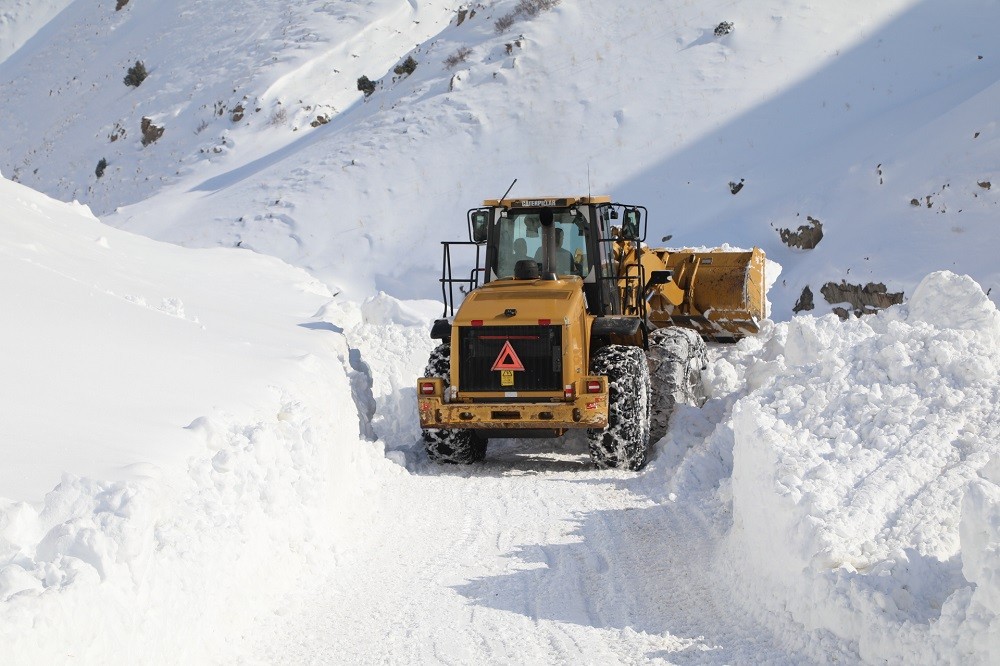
484,356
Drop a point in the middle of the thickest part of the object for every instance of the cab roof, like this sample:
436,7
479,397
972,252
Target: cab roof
547,202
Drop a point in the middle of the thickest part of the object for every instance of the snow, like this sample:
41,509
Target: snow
209,445
168,416
20,20
855,454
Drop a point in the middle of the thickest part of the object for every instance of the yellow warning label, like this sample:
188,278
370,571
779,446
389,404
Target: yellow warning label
506,378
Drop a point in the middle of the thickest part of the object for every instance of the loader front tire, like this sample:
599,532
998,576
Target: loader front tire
459,447
625,442
676,359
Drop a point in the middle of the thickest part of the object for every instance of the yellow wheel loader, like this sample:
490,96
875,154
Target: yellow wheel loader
569,321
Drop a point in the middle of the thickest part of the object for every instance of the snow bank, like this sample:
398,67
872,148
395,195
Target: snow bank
179,440
865,502
171,568
390,343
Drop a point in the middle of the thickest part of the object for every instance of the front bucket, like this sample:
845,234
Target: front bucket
724,292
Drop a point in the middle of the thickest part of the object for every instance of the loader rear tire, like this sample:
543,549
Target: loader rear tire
676,359
625,442
459,447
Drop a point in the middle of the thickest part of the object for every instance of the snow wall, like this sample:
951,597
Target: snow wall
215,448
866,477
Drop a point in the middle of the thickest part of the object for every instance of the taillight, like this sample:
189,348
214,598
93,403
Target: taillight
426,388
569,392
593,386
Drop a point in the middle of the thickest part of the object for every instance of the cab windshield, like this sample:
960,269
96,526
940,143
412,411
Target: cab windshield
519,237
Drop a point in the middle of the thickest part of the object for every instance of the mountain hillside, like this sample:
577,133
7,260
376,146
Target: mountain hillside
874,121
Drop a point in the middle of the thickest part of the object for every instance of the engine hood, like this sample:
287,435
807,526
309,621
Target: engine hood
526,302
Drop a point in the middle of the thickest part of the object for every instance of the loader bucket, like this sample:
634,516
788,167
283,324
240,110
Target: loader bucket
723,292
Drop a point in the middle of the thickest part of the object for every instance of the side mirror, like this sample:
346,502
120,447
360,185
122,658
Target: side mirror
630,225
479,227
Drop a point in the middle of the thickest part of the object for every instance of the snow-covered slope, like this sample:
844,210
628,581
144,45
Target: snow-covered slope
174,422
843,113
20,20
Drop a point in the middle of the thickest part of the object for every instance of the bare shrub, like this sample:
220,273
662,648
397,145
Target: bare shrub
405,68
534,7
278,117
523,9
504,22
459,56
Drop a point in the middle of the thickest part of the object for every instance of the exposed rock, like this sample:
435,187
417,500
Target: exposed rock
120,5
985,184
735,187
150,132
864,300
723,28
805,301
805,237
320,120
238,113
842,313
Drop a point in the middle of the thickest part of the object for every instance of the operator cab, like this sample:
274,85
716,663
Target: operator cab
557,238
519,236
575,232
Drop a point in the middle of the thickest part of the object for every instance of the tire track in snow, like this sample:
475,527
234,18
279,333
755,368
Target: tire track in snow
530,558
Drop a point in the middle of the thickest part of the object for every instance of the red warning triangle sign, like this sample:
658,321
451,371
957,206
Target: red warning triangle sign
507,360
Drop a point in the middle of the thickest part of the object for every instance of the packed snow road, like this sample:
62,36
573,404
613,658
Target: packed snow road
837,499
531,557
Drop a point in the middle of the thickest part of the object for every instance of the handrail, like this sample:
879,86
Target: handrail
448,280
